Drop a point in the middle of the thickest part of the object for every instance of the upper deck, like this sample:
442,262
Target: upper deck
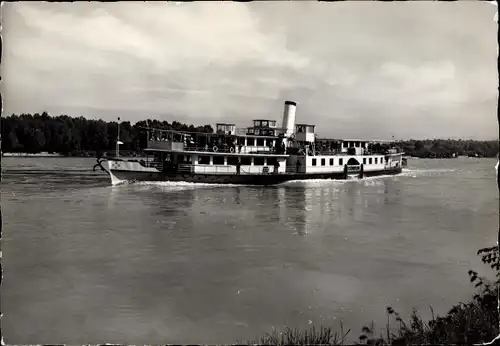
234,144
219,142
263,138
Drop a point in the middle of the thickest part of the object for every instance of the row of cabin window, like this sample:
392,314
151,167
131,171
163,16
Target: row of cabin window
341,161
264,123
259,142
261,132
233,160
353,144
370,161
323,162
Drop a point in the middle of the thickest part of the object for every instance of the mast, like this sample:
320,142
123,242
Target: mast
118,140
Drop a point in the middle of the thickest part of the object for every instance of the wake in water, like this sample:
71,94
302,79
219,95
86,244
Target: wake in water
176,186
409,173
179,185
83,175
436,170
60,172
349,179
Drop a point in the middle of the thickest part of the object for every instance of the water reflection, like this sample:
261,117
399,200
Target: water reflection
237,195
386,191
296,207
310,207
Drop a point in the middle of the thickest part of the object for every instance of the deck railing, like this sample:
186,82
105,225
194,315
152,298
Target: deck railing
215,169
231,149
164,145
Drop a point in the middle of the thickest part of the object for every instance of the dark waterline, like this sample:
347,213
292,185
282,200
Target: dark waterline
85,262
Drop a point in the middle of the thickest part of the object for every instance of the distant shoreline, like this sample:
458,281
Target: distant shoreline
129,155
77,154
32,155
81,137
132,154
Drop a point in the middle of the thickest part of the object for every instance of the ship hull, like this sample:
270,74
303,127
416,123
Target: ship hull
118,176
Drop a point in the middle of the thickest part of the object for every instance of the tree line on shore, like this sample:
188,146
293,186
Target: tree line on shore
27,133
448,148
35,133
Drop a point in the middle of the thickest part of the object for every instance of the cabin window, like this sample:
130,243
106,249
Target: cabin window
258,132
357,145
271,161
265,123
370,160
232,161
167,157
204,160
363,144
185,158
364,160
218,160
341,162
258,161
250,131
246,161
272,123
331,162
314,162
260,142
250,142
310,129
376,160
323,162
344,144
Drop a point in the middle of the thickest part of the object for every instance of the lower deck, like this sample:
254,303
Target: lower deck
121,175
261,164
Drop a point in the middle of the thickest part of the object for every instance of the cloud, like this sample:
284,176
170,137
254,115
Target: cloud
165,35
343,63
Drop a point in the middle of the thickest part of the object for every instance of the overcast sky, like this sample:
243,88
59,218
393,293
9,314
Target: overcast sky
356,69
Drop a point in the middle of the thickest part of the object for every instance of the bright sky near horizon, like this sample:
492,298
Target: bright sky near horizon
356,69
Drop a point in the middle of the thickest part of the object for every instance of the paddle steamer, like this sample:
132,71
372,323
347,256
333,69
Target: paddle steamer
262,154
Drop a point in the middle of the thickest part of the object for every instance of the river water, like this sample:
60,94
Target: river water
85,262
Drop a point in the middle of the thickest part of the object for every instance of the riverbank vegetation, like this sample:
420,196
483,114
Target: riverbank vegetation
35,133
69,136
473,322
448,148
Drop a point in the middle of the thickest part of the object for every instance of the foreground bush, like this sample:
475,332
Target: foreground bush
476,321
323,336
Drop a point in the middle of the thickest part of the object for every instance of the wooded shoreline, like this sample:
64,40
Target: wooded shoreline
81,137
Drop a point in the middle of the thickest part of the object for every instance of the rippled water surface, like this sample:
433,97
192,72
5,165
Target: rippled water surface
85,262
